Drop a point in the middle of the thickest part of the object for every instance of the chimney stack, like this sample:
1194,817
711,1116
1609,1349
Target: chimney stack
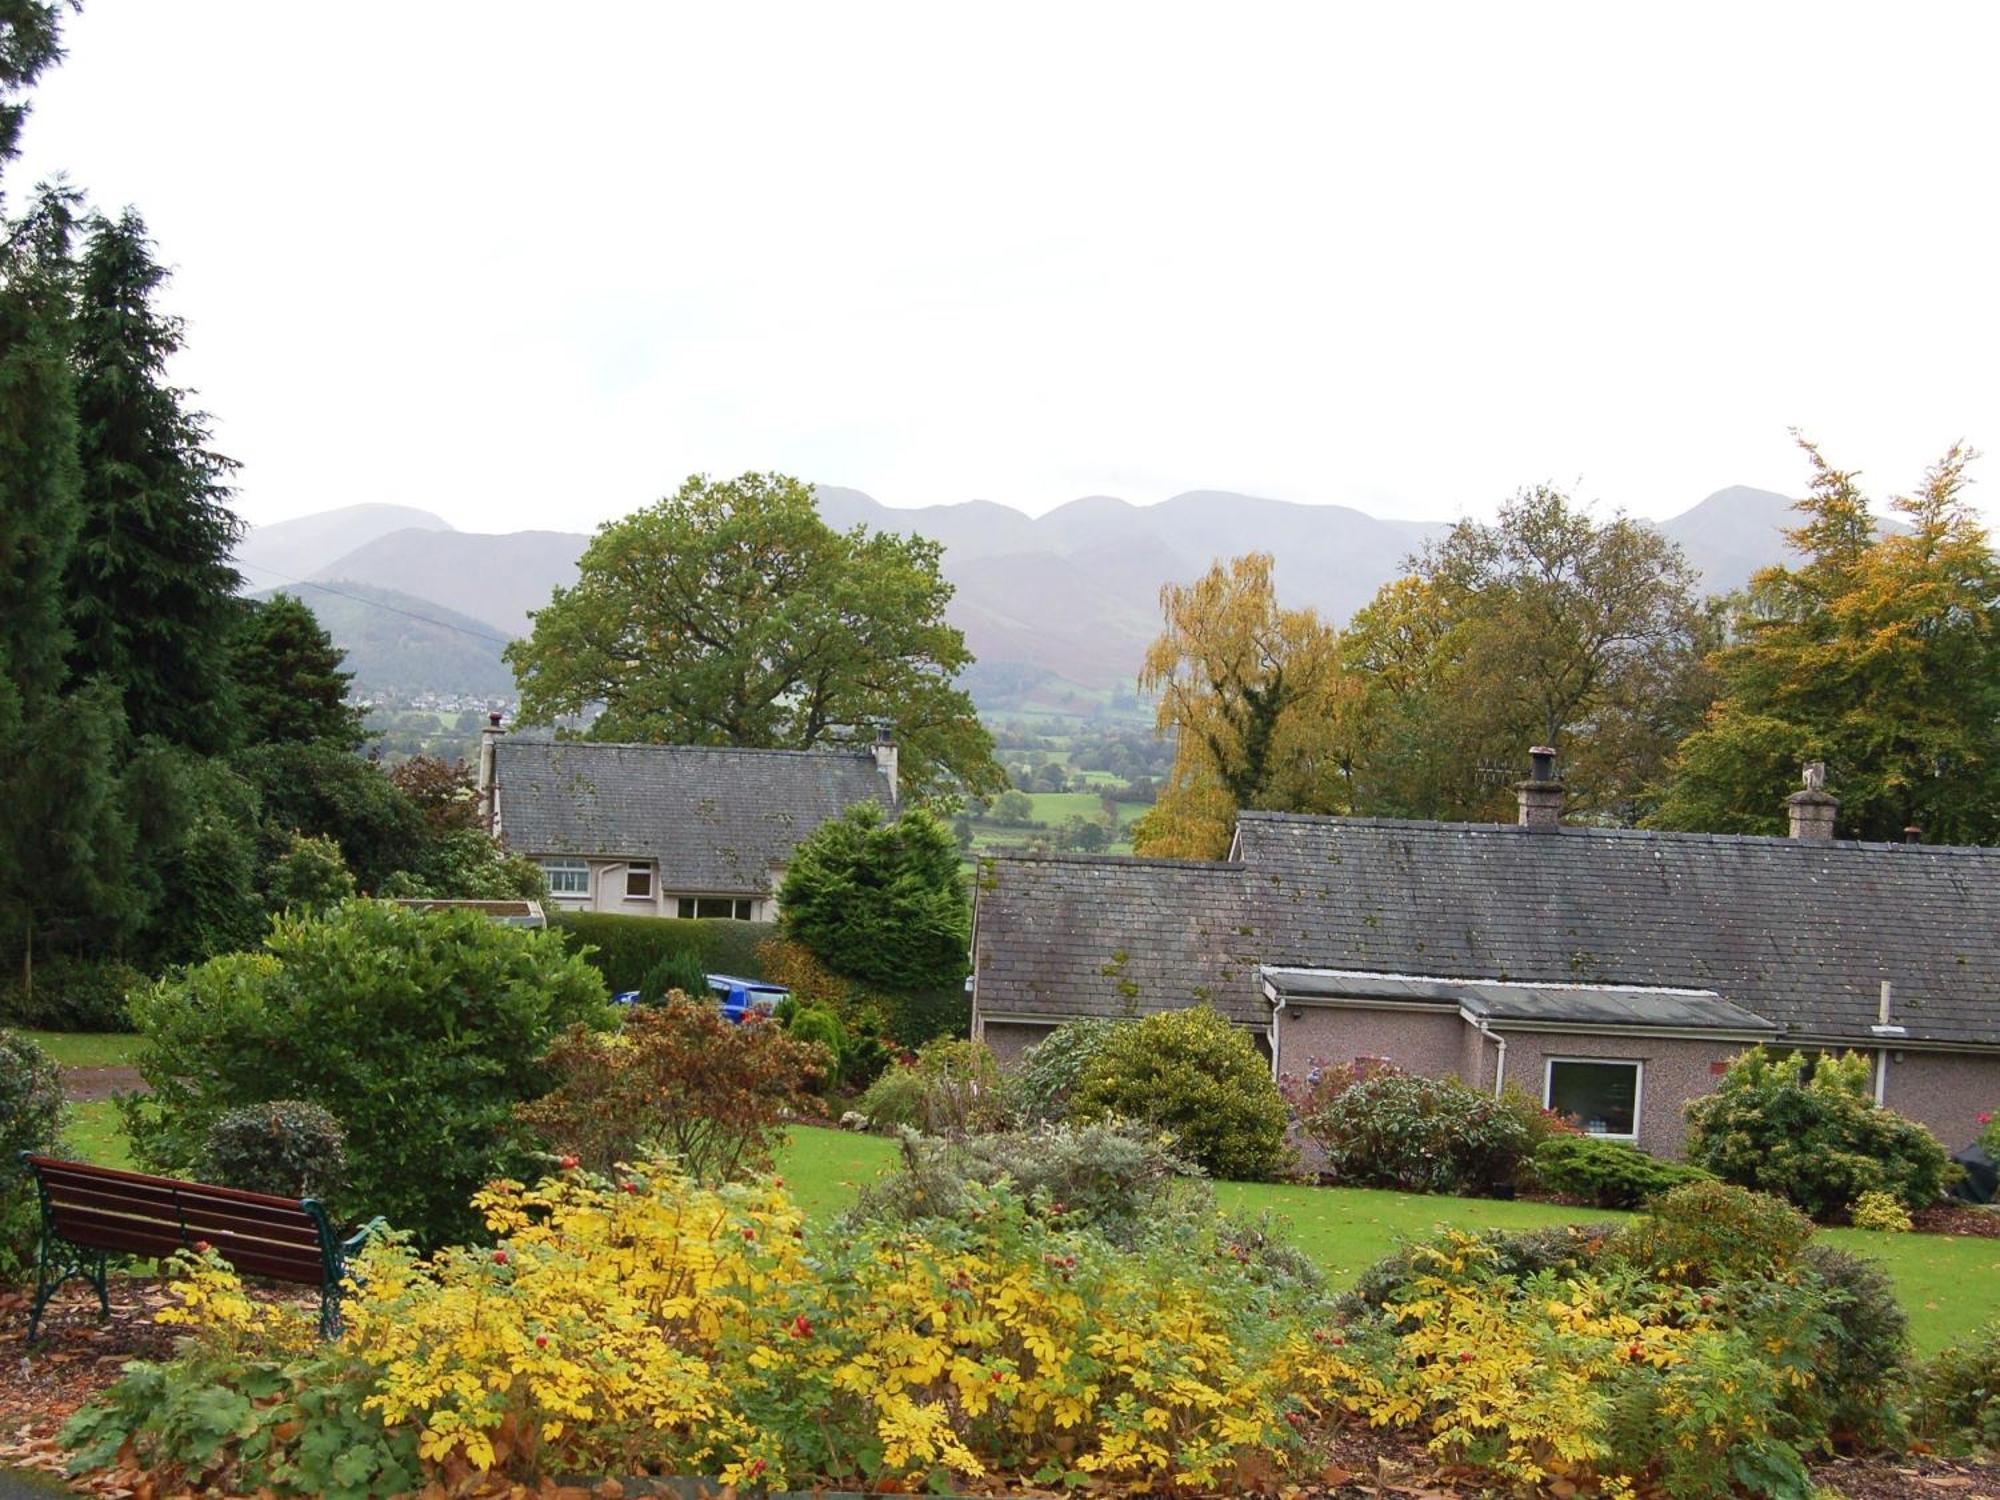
1813,809
1541,795
885,758
489,775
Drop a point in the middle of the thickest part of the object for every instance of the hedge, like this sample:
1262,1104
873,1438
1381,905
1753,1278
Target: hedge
628,948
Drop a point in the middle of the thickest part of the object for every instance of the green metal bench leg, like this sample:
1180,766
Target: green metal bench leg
59,1264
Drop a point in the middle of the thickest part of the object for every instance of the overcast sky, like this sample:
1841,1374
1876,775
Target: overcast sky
530,265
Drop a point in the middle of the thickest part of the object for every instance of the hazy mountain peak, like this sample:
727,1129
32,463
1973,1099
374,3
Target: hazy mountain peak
292,549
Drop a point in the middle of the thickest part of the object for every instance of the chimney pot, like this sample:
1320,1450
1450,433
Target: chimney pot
1813,810
1913,834
493,719
1540,797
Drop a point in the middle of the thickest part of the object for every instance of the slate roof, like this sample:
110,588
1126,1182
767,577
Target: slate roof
715,820
1069,935
1798,932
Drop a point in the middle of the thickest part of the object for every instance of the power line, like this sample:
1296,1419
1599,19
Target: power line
325,588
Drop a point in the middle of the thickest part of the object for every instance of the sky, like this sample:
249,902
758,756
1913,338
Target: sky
531,265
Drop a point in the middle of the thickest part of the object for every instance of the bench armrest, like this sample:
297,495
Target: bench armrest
353,1243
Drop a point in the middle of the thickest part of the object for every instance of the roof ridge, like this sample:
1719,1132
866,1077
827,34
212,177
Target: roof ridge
1119,861
1577,830
862,752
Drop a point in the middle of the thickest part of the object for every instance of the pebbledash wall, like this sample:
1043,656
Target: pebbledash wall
1945,1091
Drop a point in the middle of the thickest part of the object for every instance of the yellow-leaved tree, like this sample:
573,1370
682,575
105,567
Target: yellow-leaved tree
1256,701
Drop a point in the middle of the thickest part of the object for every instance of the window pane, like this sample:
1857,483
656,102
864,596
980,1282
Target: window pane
567,877
686,906
743,911
638,880
1603,1097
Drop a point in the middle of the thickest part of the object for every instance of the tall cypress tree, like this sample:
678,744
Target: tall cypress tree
151,589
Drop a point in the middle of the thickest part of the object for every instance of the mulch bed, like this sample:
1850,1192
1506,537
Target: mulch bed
1957,1218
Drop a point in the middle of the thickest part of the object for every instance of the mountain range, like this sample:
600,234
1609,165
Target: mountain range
1058,608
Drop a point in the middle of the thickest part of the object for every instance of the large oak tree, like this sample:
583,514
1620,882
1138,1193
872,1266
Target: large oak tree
731,614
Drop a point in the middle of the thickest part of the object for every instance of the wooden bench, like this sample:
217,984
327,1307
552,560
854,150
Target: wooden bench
91,1212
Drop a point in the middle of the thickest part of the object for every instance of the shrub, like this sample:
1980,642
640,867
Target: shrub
310,877
951,1088
653,1324
1192,1073
1114,1178
1702,1233
1864,1364
1564,1249
815,1026
881,900
288,1147
1811,1132
678,1079
681,971
465,864
1598,1376
418,1030
1881,1211
76,994
1049,1071
1955,1397
1422,1135
1608,1174
32,1116
626,949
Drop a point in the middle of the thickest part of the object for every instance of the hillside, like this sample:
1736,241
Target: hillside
1057,608
399,645
285,550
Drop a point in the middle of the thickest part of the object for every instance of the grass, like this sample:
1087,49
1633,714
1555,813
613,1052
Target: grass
88,1049
1948,1285
96,1134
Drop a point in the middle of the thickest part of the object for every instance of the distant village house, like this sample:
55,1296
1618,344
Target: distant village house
668,830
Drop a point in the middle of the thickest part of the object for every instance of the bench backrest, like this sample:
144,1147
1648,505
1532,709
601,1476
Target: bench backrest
102,1208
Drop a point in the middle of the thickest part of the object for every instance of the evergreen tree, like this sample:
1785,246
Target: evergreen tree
286,671
151,589
1877,654
880,900
30,41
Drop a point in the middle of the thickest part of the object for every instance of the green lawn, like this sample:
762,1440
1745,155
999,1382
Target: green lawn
85,1049
97,1135
1947,1285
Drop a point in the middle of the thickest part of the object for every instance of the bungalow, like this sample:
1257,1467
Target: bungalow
668,830
1612,973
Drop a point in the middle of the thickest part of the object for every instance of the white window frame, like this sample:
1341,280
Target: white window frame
1638,1066
734,902
552,867
640,867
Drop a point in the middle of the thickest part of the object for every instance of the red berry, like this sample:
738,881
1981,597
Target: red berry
541,1341
629,1187
1465,1357
499,1257
749,1234
777,1182
801,1327
569,1163
756,1466
201,1247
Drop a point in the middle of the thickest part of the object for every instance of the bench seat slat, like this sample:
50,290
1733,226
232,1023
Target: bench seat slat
200,1217
101,1231
53,1167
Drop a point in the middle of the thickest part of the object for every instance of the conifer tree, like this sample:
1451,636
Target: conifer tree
287,677
151,590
